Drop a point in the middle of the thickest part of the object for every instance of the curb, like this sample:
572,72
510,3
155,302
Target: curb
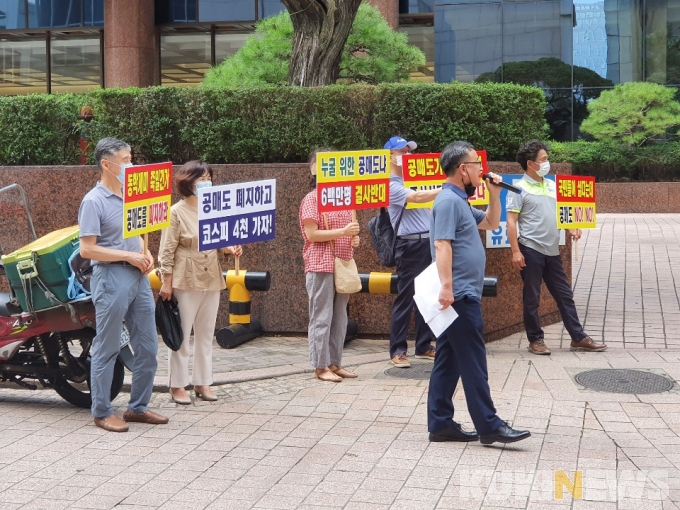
258,374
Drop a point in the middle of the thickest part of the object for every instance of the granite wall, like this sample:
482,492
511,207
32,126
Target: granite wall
55,193
638,197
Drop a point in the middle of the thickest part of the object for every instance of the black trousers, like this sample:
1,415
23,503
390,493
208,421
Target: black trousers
412,257
461,354
548,269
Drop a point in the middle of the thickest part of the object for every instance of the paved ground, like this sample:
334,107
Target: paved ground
281,439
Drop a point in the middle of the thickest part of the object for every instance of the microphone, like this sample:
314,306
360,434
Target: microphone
502,184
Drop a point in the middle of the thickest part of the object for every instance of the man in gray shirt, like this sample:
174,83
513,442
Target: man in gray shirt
536,250
461,259
120,290
411,254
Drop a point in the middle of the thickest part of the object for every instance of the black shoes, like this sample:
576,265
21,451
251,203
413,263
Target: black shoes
455,433
504,434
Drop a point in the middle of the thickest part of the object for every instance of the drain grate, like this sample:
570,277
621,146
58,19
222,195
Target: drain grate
634,382
417,371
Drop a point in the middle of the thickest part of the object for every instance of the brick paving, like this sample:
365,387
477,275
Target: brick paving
278,438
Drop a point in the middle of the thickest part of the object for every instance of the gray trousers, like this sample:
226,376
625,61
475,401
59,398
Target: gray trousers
122,292
327,320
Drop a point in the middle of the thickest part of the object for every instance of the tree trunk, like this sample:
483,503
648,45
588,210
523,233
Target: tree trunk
321,28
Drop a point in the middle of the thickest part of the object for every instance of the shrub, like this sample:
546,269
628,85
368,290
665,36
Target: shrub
40,129
634,113
273,124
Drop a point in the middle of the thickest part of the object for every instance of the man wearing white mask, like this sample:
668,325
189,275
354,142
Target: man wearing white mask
536,250
120,290
411,253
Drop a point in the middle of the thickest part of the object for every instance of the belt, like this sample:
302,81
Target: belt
119,263
423,235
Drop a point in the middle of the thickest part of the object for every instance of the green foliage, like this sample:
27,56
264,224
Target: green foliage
634,113
620,162
40,129
278,124
373,53
261,60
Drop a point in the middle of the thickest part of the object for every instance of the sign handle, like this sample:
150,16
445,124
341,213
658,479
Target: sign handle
237,261
576,249
146,242
354,215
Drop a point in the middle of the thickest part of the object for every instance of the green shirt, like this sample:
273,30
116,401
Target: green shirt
537,221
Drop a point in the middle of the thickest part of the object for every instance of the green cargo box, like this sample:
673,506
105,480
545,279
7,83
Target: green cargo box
42,265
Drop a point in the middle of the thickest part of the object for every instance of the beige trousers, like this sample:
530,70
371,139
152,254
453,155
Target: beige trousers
198,311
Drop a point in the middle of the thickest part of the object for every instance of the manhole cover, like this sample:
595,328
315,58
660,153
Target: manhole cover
634,382
417,371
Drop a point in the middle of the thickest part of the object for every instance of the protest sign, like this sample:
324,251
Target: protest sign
347,181
422,172
147,196
498,238
575,202
235,214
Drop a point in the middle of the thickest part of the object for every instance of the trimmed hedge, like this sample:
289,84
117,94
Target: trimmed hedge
617,162
273,124
40,129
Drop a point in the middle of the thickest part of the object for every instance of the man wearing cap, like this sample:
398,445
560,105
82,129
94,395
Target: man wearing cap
411,253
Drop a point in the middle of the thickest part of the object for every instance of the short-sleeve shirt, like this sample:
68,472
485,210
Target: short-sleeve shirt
101,215
319,257
414,221
537,223
453,219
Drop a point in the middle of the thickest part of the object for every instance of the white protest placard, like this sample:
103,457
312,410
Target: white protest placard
235,214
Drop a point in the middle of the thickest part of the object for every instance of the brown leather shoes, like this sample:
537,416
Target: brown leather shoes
111,423
538,347
587,345
146,417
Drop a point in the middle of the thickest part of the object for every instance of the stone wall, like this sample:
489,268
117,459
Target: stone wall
55,193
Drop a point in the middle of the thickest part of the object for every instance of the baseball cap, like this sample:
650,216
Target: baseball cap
397,142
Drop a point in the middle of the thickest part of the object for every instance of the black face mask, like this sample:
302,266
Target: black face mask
469,189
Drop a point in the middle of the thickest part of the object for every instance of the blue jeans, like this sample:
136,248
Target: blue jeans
461,354
122,292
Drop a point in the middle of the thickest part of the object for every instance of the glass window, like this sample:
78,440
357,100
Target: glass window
226,44
23,67
54,13
268,8
76,64
93,12
467,41
590,36
184,58
416,6
175,11
226,10
422,36
12,14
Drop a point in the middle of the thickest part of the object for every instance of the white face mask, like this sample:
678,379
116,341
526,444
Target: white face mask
545,168
398,160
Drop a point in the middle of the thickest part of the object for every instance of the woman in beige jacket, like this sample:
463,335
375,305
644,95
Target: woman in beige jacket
195,278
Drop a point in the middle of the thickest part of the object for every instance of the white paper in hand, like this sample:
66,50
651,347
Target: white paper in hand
427,287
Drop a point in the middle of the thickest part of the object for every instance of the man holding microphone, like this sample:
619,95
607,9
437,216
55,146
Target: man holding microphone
461,259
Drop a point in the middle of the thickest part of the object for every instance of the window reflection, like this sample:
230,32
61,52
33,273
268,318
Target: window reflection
226,10
76,64
226,44
185,58
268,8
54,13
23,67
422,36
12,14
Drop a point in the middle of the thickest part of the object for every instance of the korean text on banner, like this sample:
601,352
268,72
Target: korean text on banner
422,172
575,201
235,214
352,180
147,198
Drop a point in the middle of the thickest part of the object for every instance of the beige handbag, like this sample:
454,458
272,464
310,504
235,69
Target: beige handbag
345,272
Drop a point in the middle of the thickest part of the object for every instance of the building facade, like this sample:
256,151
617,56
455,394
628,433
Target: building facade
573,49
